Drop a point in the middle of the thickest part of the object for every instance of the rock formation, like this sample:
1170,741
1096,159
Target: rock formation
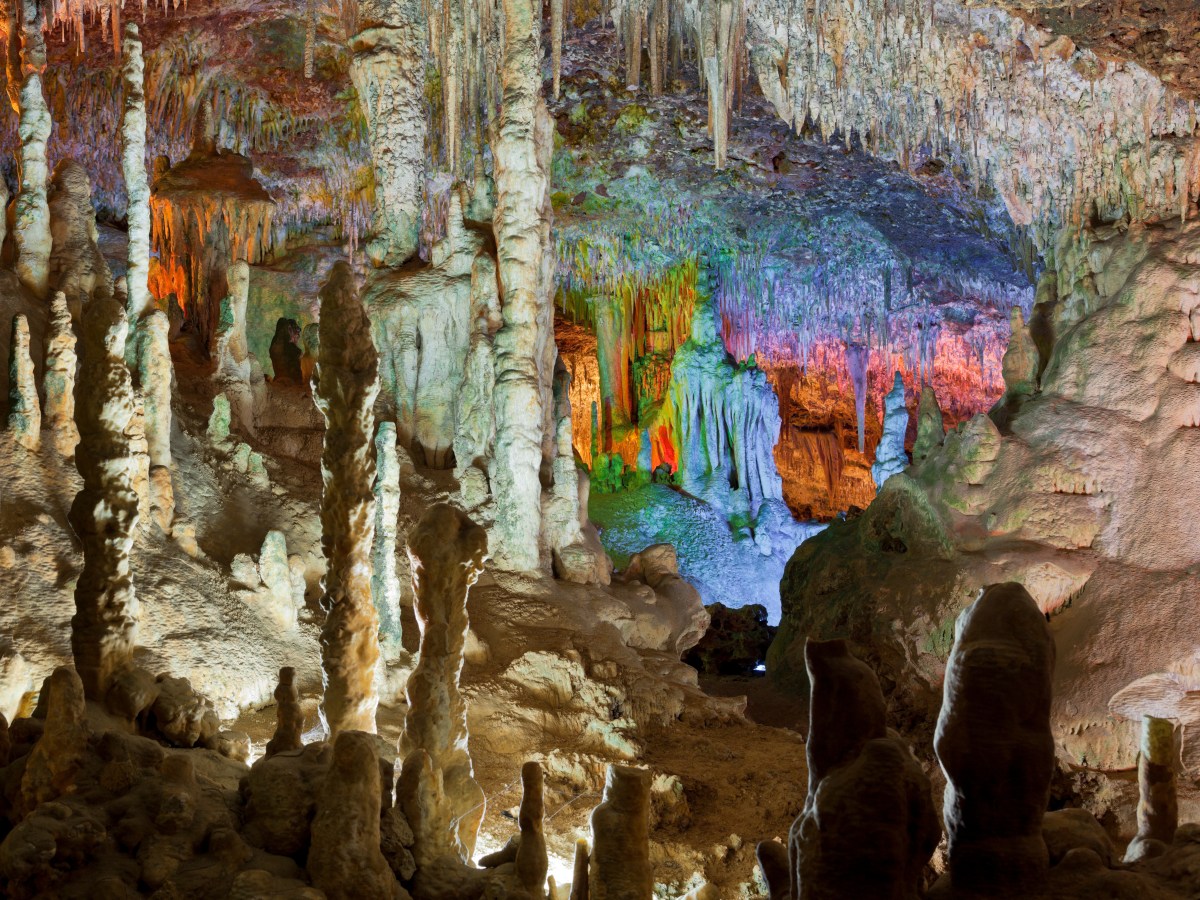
385,587
53,767
156,378
233,372
24,411
289,718
931,428
996,718
890,456
31,214
347,382
59,382
105,512
868,826
446,550
1158,809
344,859
388,68
133,168
77,268
620,859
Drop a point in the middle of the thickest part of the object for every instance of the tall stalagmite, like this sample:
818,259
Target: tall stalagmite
24,411
155,375
388,69
522,225
446,550
384,585
59,381
137,185
620,863
234,365
105,512
347,382
31,225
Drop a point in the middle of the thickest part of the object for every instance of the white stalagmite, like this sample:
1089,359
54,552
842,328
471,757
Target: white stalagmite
59,381
890,457
384,586
234,362
105,512
388,69
137,184
522,234
24,412
31,223
347,383
155,374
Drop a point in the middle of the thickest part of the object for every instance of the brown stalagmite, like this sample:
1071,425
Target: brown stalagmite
31,225
388,69
776,869
931,429
54,763
24,412
446,550
1158,809
994,742
77,267
289,717
59,381
344,859
156,373
522,224
532,863
133,167
620,864
579,877
347,382
105,512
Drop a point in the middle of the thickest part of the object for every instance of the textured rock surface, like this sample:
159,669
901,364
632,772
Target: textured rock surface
24,410
890,456
156,381
446,550
347,382
133,170
620,860
31,214
105,512
996,718
77,267
385,584
59,382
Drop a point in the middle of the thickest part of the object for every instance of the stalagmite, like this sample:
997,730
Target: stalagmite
890,457
347,382
579,876
105,512
446,550
156,373
388,69
234,362
31,217
620,862
77,267
59,381
53,767
345,860
868,827
995,718
531,862
137,185
24,412
1020,364
521,151
289,717
385,588
931,429
1158,809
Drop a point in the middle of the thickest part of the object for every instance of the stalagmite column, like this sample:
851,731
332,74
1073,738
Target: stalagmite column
31,225
890,457
994,742
105,512
53,767
579,872
289,717
1020,363
24,412
532,863
232,375
447,551
384,587
717,30
522,226
388,69
137,185
77,267
59,381
155,375
1158,809
931,428
345,860
347,382
620,864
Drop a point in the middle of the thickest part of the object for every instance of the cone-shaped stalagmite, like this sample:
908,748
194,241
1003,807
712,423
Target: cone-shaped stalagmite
995,746
532,864
931,429
890,457
289,717
59,381
384,586
620,864
388,68
1158,808
24,412
347,382
105,512
446,550
521,151
137,185
31,226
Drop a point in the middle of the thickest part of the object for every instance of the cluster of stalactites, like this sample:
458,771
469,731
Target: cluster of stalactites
1061,135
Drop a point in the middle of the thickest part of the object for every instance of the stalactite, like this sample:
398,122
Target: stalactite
347,383
105,512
